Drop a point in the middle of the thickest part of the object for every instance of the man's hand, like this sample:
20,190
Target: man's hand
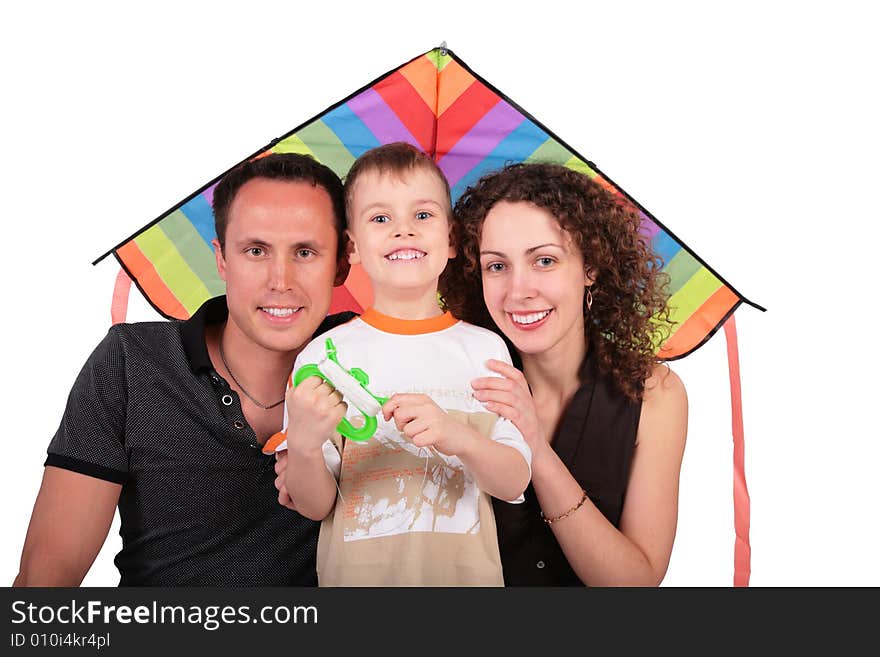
314,409
425,423
280,483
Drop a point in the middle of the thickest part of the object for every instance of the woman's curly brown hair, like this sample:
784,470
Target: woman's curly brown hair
629,318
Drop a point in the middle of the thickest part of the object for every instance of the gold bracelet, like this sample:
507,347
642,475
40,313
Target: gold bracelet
577,506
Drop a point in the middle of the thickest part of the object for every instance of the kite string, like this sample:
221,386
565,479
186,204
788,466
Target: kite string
393,530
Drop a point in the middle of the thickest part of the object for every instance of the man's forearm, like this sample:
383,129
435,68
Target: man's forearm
70,521
43,570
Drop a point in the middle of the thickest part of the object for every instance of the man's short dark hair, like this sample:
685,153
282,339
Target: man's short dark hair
286,167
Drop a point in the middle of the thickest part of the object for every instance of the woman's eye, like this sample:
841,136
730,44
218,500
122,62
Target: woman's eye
423,215
495,266
545,262
381,219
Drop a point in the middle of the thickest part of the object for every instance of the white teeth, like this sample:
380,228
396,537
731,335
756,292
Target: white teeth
279,312
530,318
407,254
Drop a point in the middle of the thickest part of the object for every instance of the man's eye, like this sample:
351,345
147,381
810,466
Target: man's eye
381,219
305,253
423,215
255,251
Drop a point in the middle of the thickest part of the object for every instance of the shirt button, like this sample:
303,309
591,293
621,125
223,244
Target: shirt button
227,400
238,424
540,564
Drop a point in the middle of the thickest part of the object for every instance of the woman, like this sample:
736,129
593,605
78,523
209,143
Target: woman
567,278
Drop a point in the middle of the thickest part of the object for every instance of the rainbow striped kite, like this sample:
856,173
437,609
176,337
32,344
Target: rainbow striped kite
439,104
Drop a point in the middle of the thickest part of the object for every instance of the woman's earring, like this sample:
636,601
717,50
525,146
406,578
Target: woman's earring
589,299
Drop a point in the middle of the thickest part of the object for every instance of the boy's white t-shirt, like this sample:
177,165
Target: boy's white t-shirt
410,516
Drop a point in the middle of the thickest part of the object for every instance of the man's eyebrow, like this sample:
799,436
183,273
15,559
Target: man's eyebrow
256,241
307,244
302,244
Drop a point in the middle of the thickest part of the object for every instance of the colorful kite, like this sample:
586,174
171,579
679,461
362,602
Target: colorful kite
435,102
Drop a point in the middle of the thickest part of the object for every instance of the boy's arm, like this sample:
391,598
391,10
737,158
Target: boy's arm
314,409
500,470
69,523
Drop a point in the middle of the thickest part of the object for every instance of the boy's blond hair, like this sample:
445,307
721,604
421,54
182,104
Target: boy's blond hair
396,158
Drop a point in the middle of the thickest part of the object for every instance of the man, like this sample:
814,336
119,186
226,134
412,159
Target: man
166,419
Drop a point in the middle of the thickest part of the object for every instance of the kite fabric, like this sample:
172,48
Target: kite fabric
437,103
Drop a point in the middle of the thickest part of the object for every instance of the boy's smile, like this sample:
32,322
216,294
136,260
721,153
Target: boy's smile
399,227
405,255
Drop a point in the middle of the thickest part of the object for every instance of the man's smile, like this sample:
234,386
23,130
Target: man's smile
280,312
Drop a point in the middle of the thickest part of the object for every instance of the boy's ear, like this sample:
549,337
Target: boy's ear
351,250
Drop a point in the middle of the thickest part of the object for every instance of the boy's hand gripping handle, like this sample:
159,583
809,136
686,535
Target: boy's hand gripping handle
352,385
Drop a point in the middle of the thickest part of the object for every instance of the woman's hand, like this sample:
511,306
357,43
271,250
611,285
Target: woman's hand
509,397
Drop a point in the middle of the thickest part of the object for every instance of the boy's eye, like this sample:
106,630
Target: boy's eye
381,219
423,215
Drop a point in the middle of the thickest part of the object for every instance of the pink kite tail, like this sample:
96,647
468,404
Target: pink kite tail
742,551
119,306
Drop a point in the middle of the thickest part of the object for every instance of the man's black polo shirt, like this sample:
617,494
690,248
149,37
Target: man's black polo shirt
198,502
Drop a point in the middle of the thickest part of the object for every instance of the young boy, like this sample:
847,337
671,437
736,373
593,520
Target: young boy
413,506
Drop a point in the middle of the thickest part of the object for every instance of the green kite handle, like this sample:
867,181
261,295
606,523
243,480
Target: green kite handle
344,427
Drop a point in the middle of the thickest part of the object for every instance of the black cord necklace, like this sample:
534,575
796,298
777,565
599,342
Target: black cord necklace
247,394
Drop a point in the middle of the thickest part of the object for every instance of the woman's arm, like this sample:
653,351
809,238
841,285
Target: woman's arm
601,555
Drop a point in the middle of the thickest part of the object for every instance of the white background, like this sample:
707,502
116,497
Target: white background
750,131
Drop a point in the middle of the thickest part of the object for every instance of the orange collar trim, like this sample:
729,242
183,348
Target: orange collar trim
407,326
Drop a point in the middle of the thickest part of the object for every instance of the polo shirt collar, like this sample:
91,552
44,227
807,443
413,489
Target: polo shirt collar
192,332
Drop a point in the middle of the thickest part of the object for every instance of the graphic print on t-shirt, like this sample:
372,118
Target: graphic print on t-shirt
390,486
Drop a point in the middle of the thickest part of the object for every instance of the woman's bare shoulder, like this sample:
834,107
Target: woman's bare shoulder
664,386
664,408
